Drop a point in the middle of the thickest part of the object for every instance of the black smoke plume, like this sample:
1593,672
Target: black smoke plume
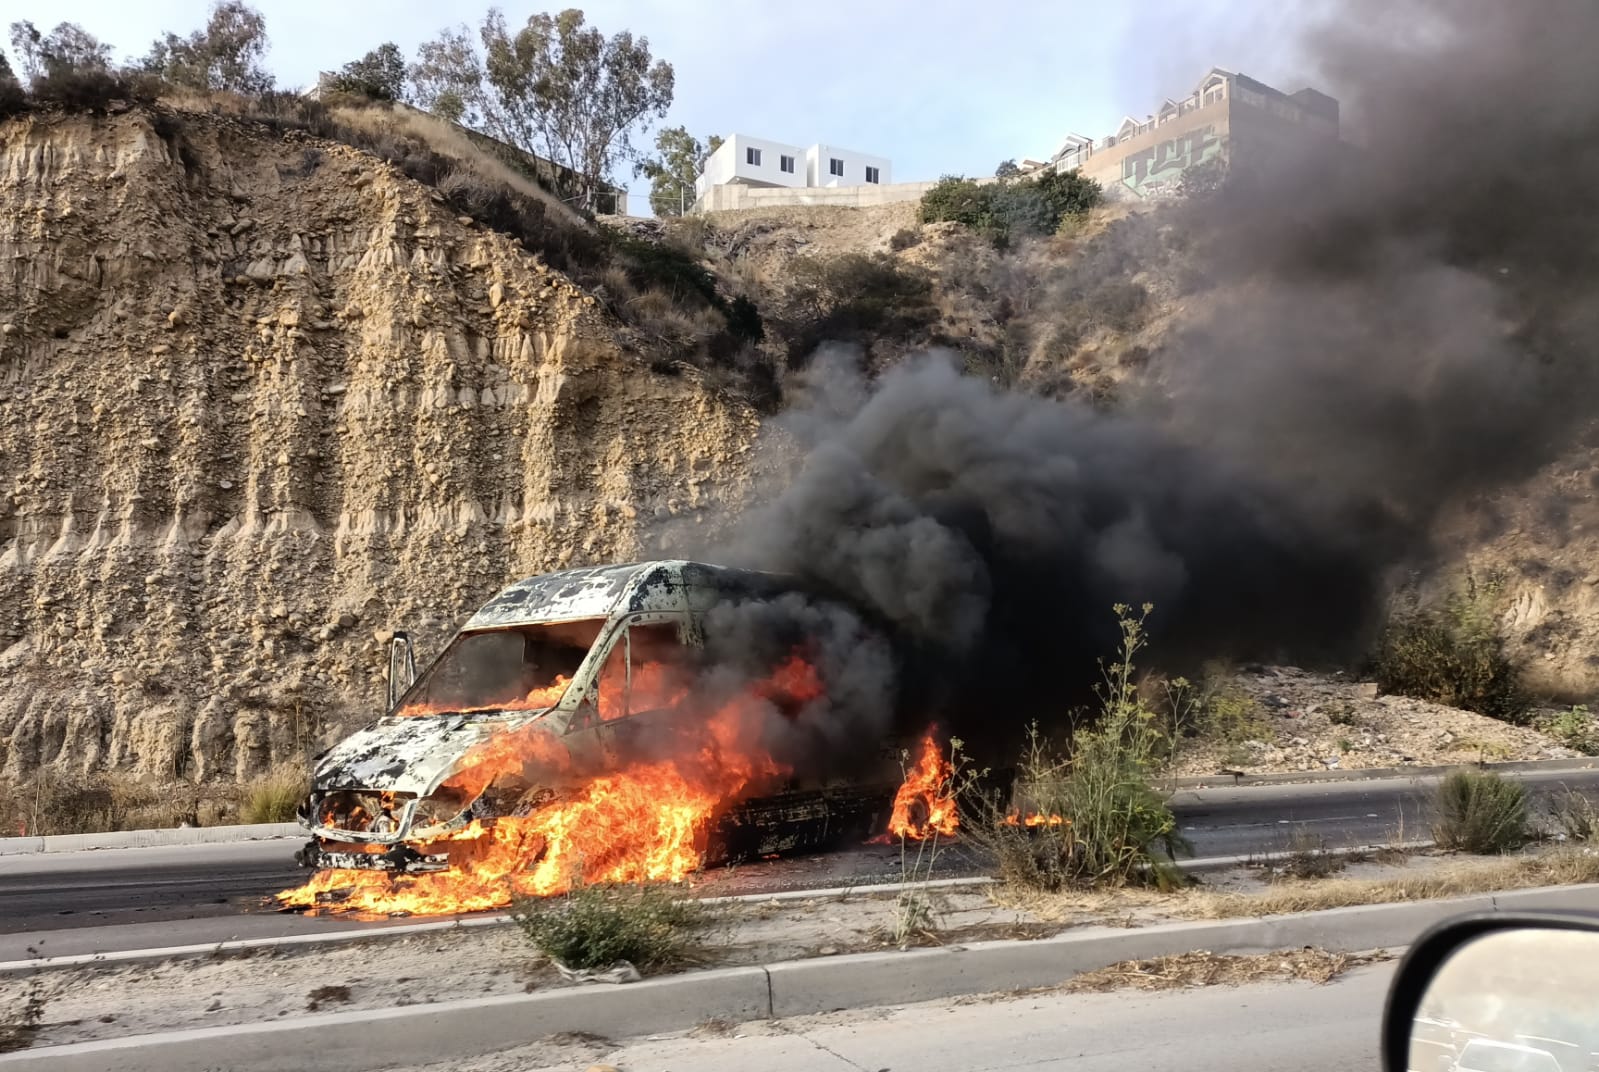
1390,326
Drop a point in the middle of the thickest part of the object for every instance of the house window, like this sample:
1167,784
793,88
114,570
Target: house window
835,166
752,157
871,174
785,163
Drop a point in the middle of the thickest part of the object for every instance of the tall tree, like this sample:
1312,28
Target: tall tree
556,87
64,50
679,158
225,55
380,74
448,77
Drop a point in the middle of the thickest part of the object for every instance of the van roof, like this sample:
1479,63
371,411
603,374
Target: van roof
599,591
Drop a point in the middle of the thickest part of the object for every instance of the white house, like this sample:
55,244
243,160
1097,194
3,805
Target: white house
828,165
746,161
753,162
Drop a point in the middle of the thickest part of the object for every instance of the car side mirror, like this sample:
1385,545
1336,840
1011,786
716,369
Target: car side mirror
1499,992
402,667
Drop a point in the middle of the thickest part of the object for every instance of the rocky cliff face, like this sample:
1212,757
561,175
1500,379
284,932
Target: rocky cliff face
263,398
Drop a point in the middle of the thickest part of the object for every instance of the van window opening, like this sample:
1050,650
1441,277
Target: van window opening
526,668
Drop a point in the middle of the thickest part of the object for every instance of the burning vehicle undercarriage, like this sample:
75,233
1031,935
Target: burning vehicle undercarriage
576,731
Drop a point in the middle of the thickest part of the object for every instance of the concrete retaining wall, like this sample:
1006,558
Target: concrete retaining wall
146,839
729,197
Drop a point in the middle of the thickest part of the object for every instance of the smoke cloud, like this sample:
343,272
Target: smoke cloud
1389,327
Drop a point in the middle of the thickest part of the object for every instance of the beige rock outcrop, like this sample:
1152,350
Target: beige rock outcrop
259,404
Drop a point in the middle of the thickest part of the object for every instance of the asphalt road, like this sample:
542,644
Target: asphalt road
87,902
1302,1026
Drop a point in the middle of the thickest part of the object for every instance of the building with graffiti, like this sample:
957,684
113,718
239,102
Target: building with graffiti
1229,118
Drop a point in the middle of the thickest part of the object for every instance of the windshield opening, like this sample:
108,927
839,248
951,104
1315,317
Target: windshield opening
526,668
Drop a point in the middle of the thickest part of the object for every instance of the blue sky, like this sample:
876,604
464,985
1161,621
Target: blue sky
936,86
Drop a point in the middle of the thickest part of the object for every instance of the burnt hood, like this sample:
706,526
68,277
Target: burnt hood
409,755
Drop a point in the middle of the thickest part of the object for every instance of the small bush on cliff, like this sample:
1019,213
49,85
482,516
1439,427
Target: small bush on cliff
856,298
1013,207
81,91
957,199
1453,654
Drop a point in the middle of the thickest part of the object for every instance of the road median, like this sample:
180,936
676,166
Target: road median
379,1038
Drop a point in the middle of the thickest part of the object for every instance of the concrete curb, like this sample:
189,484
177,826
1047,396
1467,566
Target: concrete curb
421,1034
1366,774
149,839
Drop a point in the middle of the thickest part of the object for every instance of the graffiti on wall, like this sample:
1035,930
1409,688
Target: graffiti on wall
1154,172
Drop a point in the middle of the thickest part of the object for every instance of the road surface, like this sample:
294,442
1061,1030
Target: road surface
85,902
1258,1028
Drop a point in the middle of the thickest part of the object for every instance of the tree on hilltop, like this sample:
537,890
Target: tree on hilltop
225,55
556,87
679,158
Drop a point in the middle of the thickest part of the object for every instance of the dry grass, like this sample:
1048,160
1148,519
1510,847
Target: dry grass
1563,867
1202,968
1433,879
1308,858
274,797
55,803
1073,904
446,138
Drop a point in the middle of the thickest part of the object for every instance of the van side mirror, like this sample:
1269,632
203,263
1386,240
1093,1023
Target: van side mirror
1514,988
402,667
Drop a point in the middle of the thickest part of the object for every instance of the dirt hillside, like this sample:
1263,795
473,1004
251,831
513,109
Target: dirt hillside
262,398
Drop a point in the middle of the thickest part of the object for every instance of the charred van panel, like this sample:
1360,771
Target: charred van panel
406,755
581,593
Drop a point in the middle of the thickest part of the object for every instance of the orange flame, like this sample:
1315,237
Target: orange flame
1036,819
925,803
537,700
645,823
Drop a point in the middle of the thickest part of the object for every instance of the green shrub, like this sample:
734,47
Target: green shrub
1229,715
1574,815
1068,193
1480,812
1034,205
1103,820
1574,728
274,797
1454,655
86,90
596,926
956,199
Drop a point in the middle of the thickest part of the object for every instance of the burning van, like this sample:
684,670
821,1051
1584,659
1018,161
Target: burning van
556,681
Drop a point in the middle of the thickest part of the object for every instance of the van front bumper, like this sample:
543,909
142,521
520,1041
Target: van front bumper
398,858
